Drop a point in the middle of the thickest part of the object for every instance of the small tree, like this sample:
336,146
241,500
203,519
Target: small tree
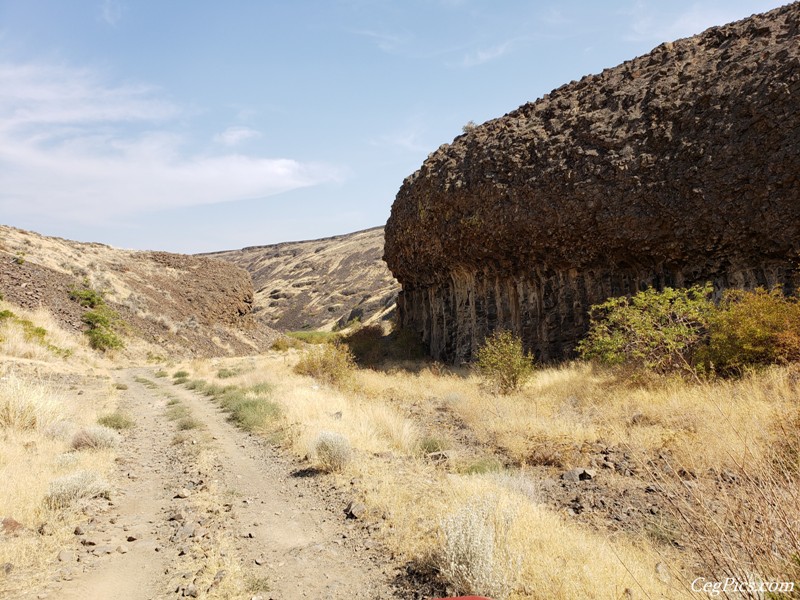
656,330
503,361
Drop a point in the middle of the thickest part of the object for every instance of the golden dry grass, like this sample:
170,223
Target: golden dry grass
39,414
704,425
700,425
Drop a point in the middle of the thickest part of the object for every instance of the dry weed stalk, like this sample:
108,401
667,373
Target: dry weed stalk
747,529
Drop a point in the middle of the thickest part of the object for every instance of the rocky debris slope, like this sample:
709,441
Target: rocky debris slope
180,303
319,283
676,167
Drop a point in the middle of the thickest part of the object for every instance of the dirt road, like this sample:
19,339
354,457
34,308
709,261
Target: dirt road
211,511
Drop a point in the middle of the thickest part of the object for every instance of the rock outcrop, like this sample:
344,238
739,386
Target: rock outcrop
677,167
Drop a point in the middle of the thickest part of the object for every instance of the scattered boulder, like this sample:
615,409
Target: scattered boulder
580,474
10,526
355,510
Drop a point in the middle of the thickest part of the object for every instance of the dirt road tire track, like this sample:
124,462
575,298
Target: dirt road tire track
284,532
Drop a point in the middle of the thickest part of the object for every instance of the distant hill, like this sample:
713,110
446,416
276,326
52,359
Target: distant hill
318,283
181,304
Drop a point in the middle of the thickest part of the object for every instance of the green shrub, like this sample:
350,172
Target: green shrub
227,373
116,420
102,322
752,329
103,339
161,373
503,362
249,408
180,375
87,297
329,363
655,330
253,414
180,380
314,337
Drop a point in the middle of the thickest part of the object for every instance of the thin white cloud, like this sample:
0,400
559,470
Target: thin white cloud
111,12
390,43
648,26
410,136
486,55
233,136
408,139
73,147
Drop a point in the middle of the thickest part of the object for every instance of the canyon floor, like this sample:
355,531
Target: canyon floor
211,507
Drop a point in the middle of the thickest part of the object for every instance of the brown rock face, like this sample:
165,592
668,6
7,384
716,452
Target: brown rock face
677,167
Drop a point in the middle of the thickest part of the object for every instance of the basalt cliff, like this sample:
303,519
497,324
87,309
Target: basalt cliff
677,167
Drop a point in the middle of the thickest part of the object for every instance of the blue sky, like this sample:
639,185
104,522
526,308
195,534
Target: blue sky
200,125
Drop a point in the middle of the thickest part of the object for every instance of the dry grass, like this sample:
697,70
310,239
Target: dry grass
95,437
65,491
332,451
25,406
701,425
52,346
389,417
39,414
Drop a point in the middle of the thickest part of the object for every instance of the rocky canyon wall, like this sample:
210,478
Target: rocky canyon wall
677,167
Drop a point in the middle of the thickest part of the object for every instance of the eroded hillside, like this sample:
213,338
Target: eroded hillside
319,283
182,304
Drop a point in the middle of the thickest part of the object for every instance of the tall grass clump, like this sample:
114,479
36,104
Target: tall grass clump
503,362
95,437
476,557
252,408
332,451
67,490
330,363
25,405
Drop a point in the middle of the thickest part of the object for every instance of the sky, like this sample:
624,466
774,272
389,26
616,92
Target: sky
199,125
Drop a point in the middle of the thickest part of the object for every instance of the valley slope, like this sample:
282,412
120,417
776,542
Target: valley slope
318,284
